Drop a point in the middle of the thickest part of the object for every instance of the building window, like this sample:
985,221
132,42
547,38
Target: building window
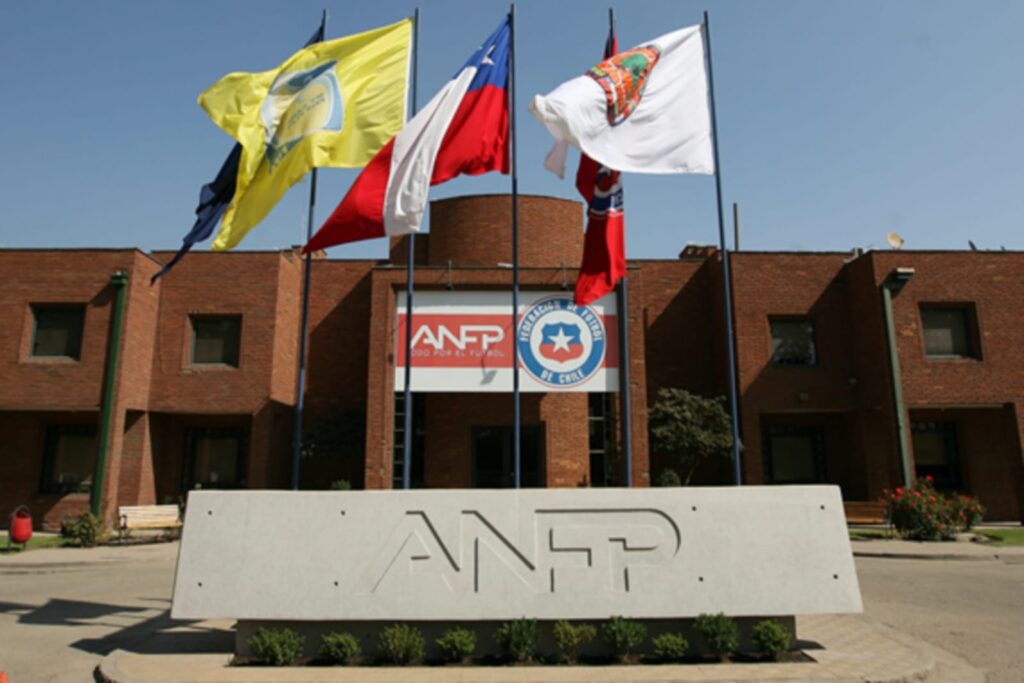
58,331
214,458
493,461
793,342
794,454
418,442
216,339
935,453
601,420
948,332
69,459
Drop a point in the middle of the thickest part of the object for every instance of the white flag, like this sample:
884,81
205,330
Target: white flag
643,111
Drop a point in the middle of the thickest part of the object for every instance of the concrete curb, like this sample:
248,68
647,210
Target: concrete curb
917,556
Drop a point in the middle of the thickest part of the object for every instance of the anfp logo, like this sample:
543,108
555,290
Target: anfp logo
561,344
298,104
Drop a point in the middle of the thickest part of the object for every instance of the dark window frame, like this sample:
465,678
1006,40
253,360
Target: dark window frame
51,438
601,415
192,435
416,473
793,319
971,329
953,478
77,336
199,319
815,432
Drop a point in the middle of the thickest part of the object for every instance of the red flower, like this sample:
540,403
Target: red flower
928,478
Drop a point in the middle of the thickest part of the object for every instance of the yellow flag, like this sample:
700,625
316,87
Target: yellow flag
334,103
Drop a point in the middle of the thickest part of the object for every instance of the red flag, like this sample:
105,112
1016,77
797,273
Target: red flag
604,247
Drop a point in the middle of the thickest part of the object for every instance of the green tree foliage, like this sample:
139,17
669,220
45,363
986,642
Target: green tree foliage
689,429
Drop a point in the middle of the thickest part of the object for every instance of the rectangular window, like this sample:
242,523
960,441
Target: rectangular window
935,453
69,459
214,458
948,331
58,331
216,339
601,418
794,454
418,442
793,342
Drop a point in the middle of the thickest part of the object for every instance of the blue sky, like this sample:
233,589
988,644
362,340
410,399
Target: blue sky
838,122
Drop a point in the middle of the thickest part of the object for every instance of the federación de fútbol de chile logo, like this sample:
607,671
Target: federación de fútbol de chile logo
561,344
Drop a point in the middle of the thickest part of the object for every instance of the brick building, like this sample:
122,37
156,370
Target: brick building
205,382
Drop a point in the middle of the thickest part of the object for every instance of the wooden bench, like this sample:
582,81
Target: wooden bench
864,512
131,517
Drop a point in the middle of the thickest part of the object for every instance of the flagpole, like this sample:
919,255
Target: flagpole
726,277
516,416
300,388
409,274
624,382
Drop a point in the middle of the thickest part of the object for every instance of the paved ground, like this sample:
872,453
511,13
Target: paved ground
972,608
61,610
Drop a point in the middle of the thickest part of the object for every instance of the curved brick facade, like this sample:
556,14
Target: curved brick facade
477,231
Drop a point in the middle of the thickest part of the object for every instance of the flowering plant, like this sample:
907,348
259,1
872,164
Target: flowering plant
920,513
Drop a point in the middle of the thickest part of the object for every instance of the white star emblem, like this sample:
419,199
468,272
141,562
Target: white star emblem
561,340
487,57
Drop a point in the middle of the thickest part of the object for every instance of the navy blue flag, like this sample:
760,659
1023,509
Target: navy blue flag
216,195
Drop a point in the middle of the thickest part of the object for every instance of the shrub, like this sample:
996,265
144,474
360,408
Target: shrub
670,647
571,638
689,429
720,633
668,477
920,513
771,638
517,639
623,635
86,530
967,511
401,644
339,648
457,644
341,485
278,647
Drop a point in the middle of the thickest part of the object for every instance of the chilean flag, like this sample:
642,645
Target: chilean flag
463,129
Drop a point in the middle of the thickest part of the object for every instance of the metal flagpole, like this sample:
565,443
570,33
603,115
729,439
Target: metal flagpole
409,273
726,278
624,382
516,417
300,389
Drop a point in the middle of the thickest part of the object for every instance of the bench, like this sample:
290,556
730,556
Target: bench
131,517
864,512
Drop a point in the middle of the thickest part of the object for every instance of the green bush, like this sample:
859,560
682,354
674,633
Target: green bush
771,638
623,635
86,530
517,639
571,638
668,477
457,644
401,644
967,511
341,485
339,648
278,647
720,633
670,647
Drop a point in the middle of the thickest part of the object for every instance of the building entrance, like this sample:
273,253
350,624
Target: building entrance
493,466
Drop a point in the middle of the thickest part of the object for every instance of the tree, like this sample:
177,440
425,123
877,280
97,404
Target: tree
689,429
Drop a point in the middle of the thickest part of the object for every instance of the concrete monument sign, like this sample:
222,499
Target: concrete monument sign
457,554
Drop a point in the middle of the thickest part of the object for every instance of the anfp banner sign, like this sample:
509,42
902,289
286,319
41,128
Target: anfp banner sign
463,341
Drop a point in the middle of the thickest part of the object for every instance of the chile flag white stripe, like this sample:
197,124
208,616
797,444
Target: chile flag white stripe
462,130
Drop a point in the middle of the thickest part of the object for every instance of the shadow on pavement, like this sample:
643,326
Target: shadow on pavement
149,634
